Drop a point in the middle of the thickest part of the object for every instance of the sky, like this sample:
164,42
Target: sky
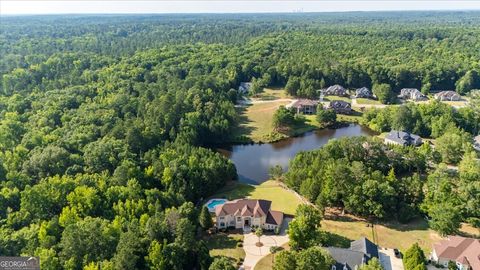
11,7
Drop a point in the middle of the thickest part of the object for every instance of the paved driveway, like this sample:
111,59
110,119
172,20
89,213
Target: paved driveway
388,259
253,254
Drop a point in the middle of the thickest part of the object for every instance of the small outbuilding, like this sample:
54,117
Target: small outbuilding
448,96
363,92
335,90
340,106
244,87
412,94
304,106
402,138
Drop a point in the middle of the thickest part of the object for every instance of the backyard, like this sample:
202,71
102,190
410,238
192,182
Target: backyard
282,199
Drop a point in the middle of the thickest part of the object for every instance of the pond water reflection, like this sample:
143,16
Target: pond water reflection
254,160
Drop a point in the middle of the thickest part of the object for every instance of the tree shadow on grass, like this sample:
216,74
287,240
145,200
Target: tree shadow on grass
415,224
336,240
235,190
242,131
221,241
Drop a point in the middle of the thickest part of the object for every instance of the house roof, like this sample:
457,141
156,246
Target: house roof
402,137
460,249
347,257
339,104
244,86
363,92
360,252
476,142
303,102
244,207
335,90
336,87
447,93
366,246
411,93
274,217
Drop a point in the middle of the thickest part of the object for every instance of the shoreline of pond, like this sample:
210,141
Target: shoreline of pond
253,160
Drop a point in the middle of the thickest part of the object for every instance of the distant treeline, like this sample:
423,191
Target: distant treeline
104,119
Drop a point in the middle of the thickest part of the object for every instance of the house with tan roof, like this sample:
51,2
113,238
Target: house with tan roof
303,106
447,96
244,213
465,252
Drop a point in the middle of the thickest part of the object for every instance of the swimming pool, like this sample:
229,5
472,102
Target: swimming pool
214,202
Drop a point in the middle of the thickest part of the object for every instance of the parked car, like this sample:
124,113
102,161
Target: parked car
397,253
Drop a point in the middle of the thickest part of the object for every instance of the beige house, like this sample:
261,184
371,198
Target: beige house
448,96
303,106
244,213
465,252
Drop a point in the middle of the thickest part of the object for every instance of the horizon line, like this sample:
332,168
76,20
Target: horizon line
239,13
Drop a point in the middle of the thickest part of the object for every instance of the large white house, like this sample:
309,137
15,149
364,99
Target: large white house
244,213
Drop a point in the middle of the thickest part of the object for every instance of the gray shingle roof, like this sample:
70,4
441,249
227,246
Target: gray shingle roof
339,104
366,246
347,257
360,252
403,138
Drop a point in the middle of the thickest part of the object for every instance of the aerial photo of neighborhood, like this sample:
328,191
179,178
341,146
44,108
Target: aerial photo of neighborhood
239,135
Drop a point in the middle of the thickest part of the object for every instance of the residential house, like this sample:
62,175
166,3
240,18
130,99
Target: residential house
244,87
465,252
304,106
335,90
359,253
363,92
244,213
340,106
448,96
412,94
476,143
402,138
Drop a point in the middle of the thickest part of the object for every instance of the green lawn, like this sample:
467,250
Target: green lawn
354,117
256,121
266,263
282,199
272,94
391,235
332,98
223,244
368,101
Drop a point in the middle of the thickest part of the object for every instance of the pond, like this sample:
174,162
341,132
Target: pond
253,161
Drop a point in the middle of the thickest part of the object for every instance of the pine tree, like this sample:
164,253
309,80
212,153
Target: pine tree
205,219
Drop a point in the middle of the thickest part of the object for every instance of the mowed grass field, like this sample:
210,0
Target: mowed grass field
282,199
273,94
390,235
368,101
256,120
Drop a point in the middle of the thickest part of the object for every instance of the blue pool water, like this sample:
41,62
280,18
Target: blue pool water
214,202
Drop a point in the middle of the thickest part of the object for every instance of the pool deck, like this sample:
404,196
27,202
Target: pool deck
212,209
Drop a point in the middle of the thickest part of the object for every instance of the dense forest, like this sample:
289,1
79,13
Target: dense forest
105,122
